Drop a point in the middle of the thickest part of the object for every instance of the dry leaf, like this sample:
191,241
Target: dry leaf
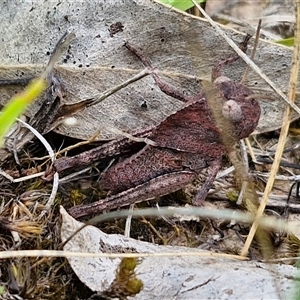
172,277
97,60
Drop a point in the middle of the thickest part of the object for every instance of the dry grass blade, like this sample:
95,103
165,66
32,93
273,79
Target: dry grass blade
283,133
268,222
247,189
287,117
58,253
52,156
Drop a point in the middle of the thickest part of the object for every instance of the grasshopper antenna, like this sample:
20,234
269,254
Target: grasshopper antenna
254,50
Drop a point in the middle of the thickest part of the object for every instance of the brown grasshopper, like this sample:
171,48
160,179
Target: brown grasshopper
183,144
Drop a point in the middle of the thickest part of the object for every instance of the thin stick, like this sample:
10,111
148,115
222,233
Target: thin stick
116,88
253,51
24,178
73,175
128,222
251,152
246,164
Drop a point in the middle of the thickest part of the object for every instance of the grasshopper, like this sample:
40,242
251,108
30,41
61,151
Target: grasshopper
182,145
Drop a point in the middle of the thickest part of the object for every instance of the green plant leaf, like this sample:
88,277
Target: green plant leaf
286,42
18,104
181,4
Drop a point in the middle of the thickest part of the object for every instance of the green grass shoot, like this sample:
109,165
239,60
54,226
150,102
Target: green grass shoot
289,42
181,4
18,104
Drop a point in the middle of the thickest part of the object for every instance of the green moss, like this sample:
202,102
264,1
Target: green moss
76,197
232,195
125,284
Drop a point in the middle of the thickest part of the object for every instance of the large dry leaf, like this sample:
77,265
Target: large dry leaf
173,277
96,61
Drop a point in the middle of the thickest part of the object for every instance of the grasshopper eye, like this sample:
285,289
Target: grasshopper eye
231,110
